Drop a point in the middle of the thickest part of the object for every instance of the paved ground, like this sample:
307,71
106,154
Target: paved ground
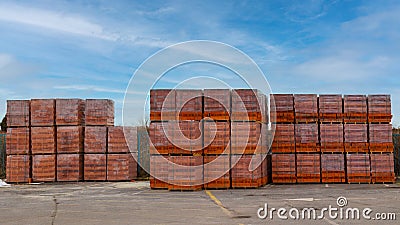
135,203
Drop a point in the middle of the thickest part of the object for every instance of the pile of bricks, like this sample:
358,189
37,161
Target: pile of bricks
52,140
349,141
211,131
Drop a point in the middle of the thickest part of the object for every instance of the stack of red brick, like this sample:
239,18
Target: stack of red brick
352,140
54,147
212,146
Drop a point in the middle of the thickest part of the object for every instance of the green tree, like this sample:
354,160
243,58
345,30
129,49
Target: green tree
4,124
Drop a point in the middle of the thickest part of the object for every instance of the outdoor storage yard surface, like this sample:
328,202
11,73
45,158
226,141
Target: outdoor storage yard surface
135,203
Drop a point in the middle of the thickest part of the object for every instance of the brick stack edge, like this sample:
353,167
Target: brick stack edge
52,140
212,155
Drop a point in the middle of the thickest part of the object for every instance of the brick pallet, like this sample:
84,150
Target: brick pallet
379,109
283,168
284,108
99,112
380,138
330,108
333,168
95,139
95,167
308,168
159,169
356,138
189,104
162,102
42,112
245,137
121,167
214,167
18,113
306,138
245,105
186,137
284,139
382,170
246,171
18,141
358,168
44,168
69,167
185,173
217,104
43,140
159,142
306,108
70,112
331,138
70,139
117,139
355,109
216,138
18,168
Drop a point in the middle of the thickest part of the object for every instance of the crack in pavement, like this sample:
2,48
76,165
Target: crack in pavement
54,214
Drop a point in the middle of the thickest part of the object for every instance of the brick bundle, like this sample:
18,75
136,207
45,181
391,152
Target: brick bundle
306,108
99,112
246,105
18,141
284,108
162,105
358,168
382,170
284,139
379,109
214,167
43,112
356,138
18,113
306,138
284,168
216,137
380,138
186,172
330,108
47,138
331,138
18,168
189,104
247,170
70,112
308,168
217,103
333,168
355,109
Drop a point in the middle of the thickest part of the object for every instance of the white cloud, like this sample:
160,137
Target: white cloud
72,24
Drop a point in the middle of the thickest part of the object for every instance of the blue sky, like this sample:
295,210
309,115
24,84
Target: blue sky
90,49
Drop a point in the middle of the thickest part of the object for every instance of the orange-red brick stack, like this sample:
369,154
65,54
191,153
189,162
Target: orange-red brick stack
121,162
46,141
379,109
18,166
217,138
216,141
99,112
352,132
333,168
